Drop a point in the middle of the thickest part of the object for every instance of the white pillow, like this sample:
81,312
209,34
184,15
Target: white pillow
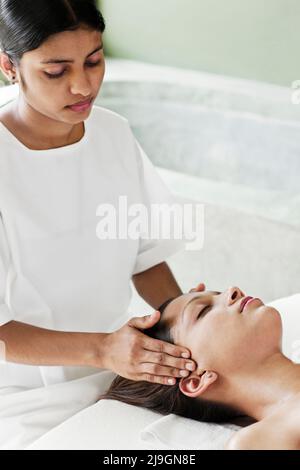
289,308
108,424
176,432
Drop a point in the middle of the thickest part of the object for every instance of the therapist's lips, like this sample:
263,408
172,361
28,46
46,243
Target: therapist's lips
82,106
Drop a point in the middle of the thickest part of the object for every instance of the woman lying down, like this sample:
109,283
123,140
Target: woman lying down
241,370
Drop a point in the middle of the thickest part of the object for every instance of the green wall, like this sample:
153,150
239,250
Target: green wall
254,39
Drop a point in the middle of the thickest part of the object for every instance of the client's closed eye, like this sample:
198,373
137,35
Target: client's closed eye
205,309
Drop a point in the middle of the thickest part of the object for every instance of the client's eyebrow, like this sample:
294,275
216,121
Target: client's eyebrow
59,61
193,300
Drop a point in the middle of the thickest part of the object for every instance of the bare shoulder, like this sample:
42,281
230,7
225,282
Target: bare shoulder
245,439
291,416
280,431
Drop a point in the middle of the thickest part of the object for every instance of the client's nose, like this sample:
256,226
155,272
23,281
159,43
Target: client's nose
234,294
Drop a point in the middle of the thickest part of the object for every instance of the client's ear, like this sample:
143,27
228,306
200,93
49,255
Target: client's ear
194,385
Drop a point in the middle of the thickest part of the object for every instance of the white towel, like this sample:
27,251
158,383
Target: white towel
176,432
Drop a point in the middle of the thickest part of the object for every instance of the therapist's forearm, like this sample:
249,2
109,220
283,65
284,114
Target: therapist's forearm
156,284
27,344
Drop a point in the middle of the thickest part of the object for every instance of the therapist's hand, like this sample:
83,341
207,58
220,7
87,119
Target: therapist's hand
199,288
136,356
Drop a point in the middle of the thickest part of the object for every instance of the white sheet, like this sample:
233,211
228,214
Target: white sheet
65,416
27,415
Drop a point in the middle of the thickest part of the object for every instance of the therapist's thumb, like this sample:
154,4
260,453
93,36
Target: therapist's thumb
145,322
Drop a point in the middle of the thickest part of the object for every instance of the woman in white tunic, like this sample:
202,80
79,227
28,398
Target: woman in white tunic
64,292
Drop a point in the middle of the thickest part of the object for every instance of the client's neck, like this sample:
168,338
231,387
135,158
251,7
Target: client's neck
261,391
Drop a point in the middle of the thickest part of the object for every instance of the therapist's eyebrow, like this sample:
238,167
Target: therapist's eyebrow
193,300
59,61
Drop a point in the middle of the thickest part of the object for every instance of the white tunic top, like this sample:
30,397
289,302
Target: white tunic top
54,270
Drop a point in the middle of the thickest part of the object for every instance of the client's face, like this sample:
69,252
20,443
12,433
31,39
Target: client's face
224,331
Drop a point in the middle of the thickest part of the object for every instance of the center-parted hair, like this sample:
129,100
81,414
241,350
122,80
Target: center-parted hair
26,24
167,399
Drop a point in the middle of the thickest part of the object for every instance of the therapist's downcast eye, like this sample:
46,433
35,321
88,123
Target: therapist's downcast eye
60,74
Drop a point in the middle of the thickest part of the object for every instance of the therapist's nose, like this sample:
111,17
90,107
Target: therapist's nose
81,86
234,294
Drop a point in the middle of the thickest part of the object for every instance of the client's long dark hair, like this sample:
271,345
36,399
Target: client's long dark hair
167,399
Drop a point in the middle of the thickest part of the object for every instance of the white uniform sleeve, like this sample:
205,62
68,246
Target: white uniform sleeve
153,251
6,315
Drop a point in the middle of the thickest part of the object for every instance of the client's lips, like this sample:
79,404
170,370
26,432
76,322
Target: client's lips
244,301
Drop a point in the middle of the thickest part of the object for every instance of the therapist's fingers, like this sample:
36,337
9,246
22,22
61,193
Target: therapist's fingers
127,351
163,347
199,288
161,375
168,365
144,322
166,354
159,371
156,345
